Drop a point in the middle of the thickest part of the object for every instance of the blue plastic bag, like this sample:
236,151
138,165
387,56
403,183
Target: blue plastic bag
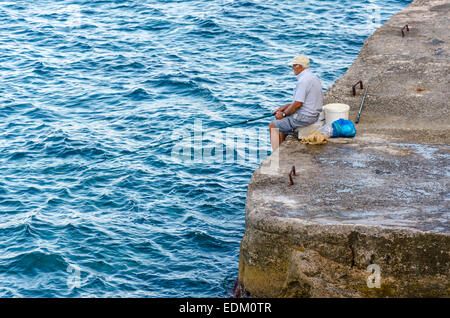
343,128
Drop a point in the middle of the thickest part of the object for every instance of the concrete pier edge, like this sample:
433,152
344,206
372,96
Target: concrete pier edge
368,216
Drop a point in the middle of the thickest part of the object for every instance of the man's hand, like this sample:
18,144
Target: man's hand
279,115
281,109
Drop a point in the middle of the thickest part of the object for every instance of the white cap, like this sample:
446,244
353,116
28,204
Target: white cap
302,60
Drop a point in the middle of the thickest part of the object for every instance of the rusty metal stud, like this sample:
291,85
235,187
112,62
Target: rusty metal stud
292,174
354,87
407,29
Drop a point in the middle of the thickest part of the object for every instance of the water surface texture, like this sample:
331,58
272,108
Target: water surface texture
86,80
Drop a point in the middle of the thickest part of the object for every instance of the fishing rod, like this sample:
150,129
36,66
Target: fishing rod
362,101
158,144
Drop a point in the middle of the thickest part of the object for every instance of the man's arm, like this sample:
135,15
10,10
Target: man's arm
293,108
288,109
282,108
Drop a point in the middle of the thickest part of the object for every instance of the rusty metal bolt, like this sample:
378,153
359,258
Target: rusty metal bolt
407,29
354,87
292,174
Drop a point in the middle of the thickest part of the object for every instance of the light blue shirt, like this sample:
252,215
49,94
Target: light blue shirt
308,90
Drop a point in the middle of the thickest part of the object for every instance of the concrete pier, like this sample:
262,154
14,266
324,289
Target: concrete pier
366,216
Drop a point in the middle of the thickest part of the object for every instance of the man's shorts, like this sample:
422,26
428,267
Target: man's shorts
288,124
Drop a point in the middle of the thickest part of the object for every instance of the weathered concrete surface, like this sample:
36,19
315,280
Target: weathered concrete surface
379,198
408,97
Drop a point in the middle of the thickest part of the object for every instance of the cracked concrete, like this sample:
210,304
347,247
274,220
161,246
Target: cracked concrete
379,198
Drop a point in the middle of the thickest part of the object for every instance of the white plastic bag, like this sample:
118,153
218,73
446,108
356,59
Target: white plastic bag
327,130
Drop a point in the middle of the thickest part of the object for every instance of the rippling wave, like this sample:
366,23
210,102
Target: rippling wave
87,80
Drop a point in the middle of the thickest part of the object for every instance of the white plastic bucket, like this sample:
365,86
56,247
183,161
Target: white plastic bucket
335,111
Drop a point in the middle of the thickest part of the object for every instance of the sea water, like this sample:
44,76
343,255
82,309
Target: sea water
88,207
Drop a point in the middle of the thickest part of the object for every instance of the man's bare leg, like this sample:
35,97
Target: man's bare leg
276,137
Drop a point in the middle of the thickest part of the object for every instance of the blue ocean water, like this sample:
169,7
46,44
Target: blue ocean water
86,80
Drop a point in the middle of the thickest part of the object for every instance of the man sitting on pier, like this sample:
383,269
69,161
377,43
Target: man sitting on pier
305,107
